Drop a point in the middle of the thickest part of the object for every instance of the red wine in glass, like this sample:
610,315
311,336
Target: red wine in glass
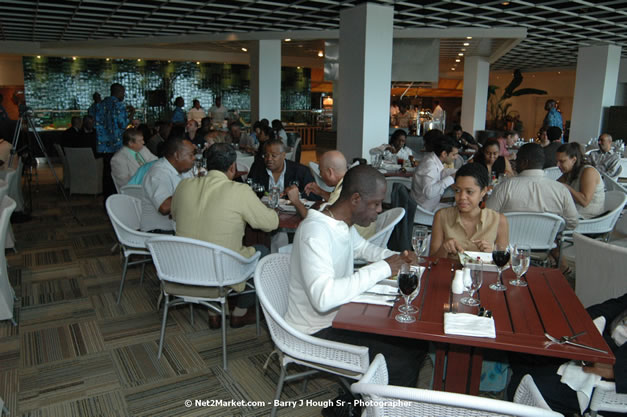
501,258
407,283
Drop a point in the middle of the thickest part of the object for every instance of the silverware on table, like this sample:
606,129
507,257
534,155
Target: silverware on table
568,342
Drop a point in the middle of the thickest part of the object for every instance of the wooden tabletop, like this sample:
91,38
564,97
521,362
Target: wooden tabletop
522,315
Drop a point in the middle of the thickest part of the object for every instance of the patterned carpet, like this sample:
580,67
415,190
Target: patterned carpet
76,353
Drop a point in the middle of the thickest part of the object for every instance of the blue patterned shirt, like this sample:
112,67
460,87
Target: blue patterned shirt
178,116
553,118
111,122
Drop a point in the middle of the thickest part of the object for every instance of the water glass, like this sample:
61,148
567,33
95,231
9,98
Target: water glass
420,241
274,197
473,285
520,260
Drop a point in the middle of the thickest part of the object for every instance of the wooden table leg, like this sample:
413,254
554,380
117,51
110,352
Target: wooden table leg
438,366
462,367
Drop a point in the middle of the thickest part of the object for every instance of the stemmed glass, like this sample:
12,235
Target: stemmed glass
520,260
473,285
259,189
500,256
408,282
419,240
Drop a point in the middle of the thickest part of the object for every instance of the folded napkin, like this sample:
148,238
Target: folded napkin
578,380
383,289
382,300
465,324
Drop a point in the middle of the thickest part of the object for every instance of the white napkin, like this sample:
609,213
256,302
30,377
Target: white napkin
465,324
382,300
578,380
384,289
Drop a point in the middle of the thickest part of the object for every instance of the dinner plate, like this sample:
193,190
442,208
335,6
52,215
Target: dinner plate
468,259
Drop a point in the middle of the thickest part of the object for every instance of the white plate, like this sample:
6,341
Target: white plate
486,257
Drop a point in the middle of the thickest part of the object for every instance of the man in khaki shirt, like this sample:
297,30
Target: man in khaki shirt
216,209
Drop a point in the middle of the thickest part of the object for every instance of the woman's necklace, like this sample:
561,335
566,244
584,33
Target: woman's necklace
328,210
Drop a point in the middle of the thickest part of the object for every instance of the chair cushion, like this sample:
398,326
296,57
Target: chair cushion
183,290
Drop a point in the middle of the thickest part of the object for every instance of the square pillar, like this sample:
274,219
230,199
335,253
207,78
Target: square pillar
595,90
365,74
265,80
475,96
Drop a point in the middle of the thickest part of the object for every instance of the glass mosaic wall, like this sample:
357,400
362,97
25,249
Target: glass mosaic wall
59,84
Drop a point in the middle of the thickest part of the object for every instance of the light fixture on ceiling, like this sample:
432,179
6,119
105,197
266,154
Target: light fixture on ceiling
461,54
139,60
463,49
466,43
197,62
505,3
468,37
452,69
288,39
245,49
38,56
298,67
74,58
559,72
108,59
169,62
320,54
458,60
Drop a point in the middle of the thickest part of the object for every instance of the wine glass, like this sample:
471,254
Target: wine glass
259,189
520,260
410,309
500,256
473,285
407,283
419,241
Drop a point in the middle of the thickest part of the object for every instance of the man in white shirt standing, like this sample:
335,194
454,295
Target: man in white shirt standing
196,113
431,179
217,112
325,247
161,181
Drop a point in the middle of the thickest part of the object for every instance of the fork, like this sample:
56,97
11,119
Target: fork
568,342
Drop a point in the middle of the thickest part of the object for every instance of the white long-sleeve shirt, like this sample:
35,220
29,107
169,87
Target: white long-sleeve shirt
321,268
429,182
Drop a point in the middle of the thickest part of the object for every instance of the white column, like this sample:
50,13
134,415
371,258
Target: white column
265,80
366,33
475,96
595,90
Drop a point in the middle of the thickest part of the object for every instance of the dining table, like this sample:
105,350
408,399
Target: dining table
522,316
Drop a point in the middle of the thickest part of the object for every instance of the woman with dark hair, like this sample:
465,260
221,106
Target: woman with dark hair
488,156
466,226
279,131
582,180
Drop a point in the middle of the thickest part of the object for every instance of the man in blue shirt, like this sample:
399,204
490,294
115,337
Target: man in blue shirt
553,117
179,114
112,118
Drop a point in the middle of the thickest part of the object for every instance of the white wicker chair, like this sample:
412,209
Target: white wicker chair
66,167
611,184
528,393
553,173
198,272
125,215
600,269
7,295
388,400
390,184
134,190
384,226
85,171
315,171
423,216
537,230
603,225
272,279
623,171
605,398
14,178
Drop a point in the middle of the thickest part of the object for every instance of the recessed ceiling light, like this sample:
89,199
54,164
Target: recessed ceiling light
320,54
468,37
505,3
559,72
108,59
38,56
244,49
139,60
452,69
169,61
461,54
466,43
463,49
298,67
288,40
74,58
197,62
458,60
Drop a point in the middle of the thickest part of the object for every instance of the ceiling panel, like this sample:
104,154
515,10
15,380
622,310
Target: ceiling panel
556,28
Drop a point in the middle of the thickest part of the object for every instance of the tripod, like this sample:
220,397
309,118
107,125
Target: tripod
25,114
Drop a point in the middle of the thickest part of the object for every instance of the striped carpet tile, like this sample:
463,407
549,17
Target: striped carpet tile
54,314
135,329
111,404
134,301
138,364
65,342
48,291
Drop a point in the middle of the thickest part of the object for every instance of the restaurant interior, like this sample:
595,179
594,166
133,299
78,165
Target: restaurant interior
84,332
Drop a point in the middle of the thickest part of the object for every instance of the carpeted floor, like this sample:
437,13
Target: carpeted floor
77,353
